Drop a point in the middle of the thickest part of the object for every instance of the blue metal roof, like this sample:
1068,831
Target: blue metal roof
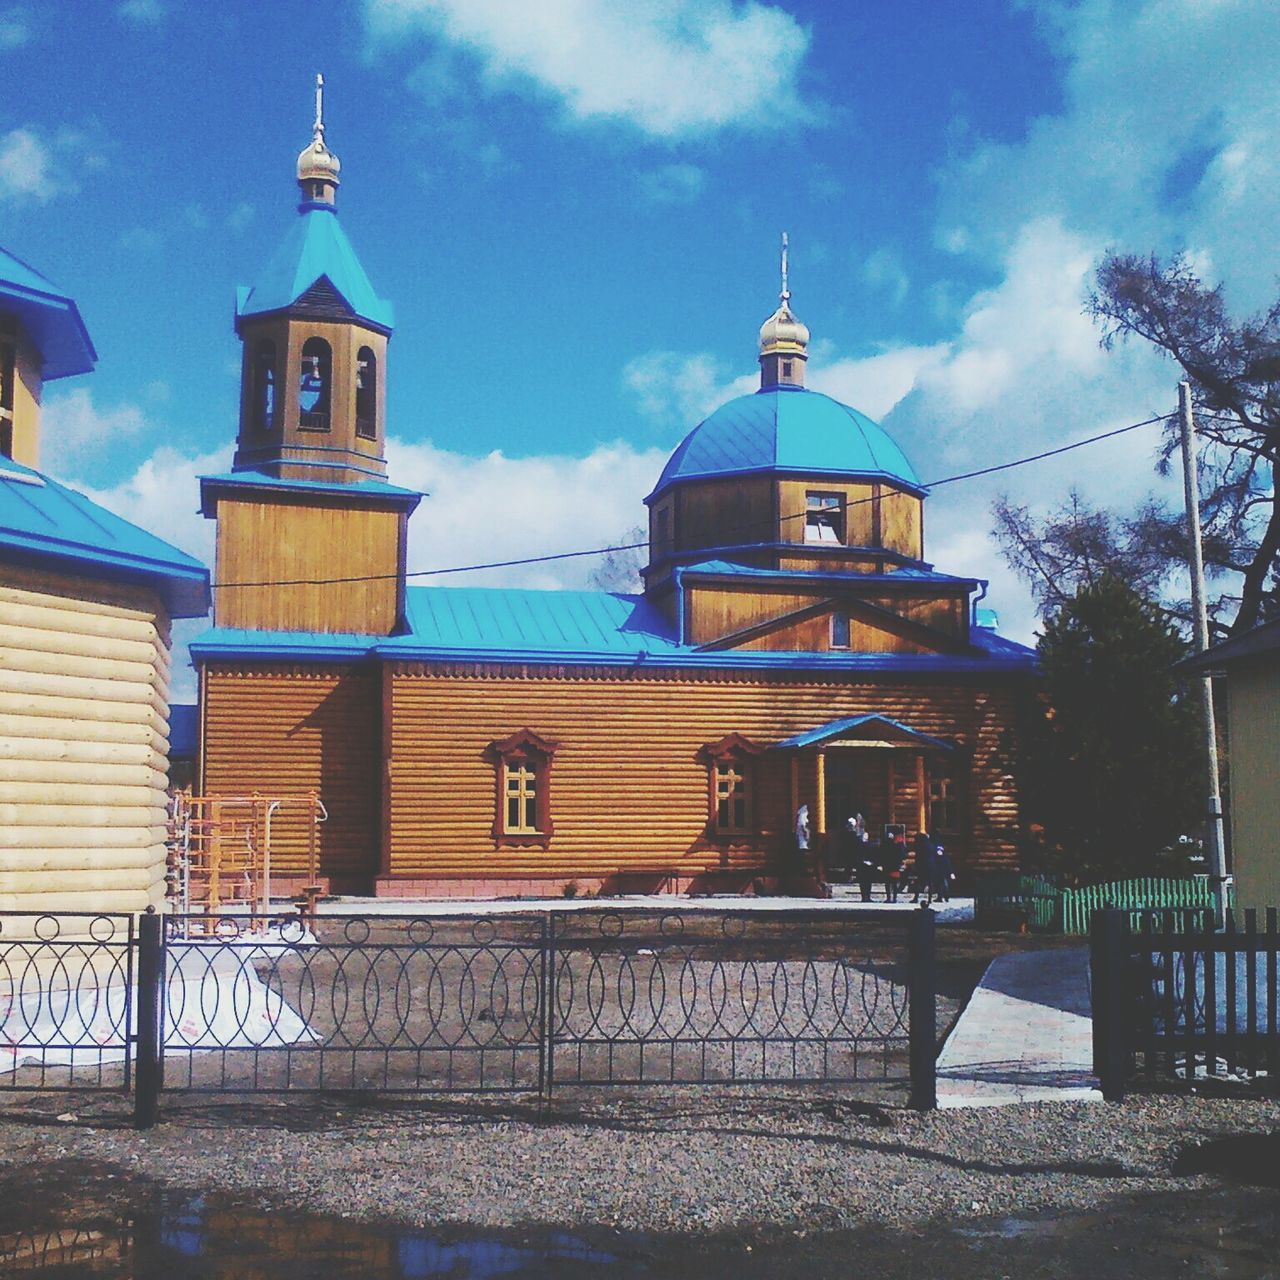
315,248
788,429
495,624
43,522
49,316
839,577
836,728
212,486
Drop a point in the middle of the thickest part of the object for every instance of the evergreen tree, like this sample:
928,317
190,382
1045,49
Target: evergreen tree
1112,772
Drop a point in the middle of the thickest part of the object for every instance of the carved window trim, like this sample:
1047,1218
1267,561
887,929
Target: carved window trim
522,758
732,760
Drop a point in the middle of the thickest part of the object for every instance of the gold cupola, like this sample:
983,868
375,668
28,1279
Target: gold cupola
318,167
784,340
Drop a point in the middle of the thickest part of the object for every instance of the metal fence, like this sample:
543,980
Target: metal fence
66,1000
1176,999
529,1003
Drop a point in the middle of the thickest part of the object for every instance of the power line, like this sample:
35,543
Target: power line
638,546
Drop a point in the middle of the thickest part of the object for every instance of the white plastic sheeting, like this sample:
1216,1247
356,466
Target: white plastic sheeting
215,1000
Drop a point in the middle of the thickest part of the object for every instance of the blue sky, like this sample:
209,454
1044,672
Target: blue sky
575,206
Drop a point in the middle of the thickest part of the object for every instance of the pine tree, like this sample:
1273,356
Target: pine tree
1112,772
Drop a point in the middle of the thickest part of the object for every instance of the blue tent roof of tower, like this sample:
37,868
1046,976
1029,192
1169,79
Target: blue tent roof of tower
316,248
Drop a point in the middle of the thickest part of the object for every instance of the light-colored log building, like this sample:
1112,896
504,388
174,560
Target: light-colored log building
86,600
792,645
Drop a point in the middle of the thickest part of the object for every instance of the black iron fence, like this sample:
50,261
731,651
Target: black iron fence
529,1003
67,986
1177,999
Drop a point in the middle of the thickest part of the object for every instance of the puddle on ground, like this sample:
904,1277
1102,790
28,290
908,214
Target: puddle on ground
98,1220
200,1237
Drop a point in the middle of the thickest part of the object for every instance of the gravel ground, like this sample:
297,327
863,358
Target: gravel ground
747,1163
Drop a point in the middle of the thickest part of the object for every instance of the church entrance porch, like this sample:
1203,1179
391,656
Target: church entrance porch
893,775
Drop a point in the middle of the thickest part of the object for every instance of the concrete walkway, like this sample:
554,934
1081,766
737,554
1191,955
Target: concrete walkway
1025,1035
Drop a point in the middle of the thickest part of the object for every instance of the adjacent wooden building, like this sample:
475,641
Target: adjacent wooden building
86,600
1250,664
792,645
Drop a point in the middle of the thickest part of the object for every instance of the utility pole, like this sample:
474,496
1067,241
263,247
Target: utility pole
1213,809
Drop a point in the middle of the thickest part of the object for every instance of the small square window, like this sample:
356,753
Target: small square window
824,518
786,368
840,630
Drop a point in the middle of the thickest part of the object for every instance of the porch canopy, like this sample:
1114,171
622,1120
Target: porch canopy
867,764
863,731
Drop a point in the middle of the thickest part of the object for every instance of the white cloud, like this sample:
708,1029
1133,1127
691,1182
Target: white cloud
144,12
596,499
15,27
74,431
874,383
672,184
28,168
883,271
240,217
675,390
671,68
1147,87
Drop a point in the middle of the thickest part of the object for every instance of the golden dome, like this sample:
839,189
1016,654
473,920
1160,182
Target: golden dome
783,333
316,163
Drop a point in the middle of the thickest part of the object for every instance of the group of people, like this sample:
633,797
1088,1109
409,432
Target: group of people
932,873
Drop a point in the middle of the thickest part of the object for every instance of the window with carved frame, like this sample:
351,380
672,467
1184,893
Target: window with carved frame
522,768
731,781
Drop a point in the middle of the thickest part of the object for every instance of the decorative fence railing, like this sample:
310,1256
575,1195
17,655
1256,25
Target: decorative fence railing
1176,999
1046,904
1138,897
66,1000
525,1002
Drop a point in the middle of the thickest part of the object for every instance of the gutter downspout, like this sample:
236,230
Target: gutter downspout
984,583
677,575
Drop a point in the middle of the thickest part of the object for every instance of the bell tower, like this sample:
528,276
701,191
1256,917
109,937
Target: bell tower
315,333
311,537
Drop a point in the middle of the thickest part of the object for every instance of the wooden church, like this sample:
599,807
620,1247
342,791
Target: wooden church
792,645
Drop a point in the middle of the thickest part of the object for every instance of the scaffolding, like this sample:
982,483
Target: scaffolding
219,852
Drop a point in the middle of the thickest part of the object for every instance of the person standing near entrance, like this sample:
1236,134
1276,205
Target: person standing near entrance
861,859
926,868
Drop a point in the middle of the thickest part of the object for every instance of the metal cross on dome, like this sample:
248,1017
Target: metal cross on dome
786,290
318,127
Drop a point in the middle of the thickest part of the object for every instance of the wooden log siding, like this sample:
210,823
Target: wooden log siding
282,729
84,695
630,789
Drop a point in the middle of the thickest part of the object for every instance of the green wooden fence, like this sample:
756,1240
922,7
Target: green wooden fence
1047,905
1147,893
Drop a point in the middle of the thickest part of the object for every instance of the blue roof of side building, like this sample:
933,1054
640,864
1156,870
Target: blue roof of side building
494,624
45,524
788,429
316,247
49,316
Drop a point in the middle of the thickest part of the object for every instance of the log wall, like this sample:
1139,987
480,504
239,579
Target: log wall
629,789
288,730
84,688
